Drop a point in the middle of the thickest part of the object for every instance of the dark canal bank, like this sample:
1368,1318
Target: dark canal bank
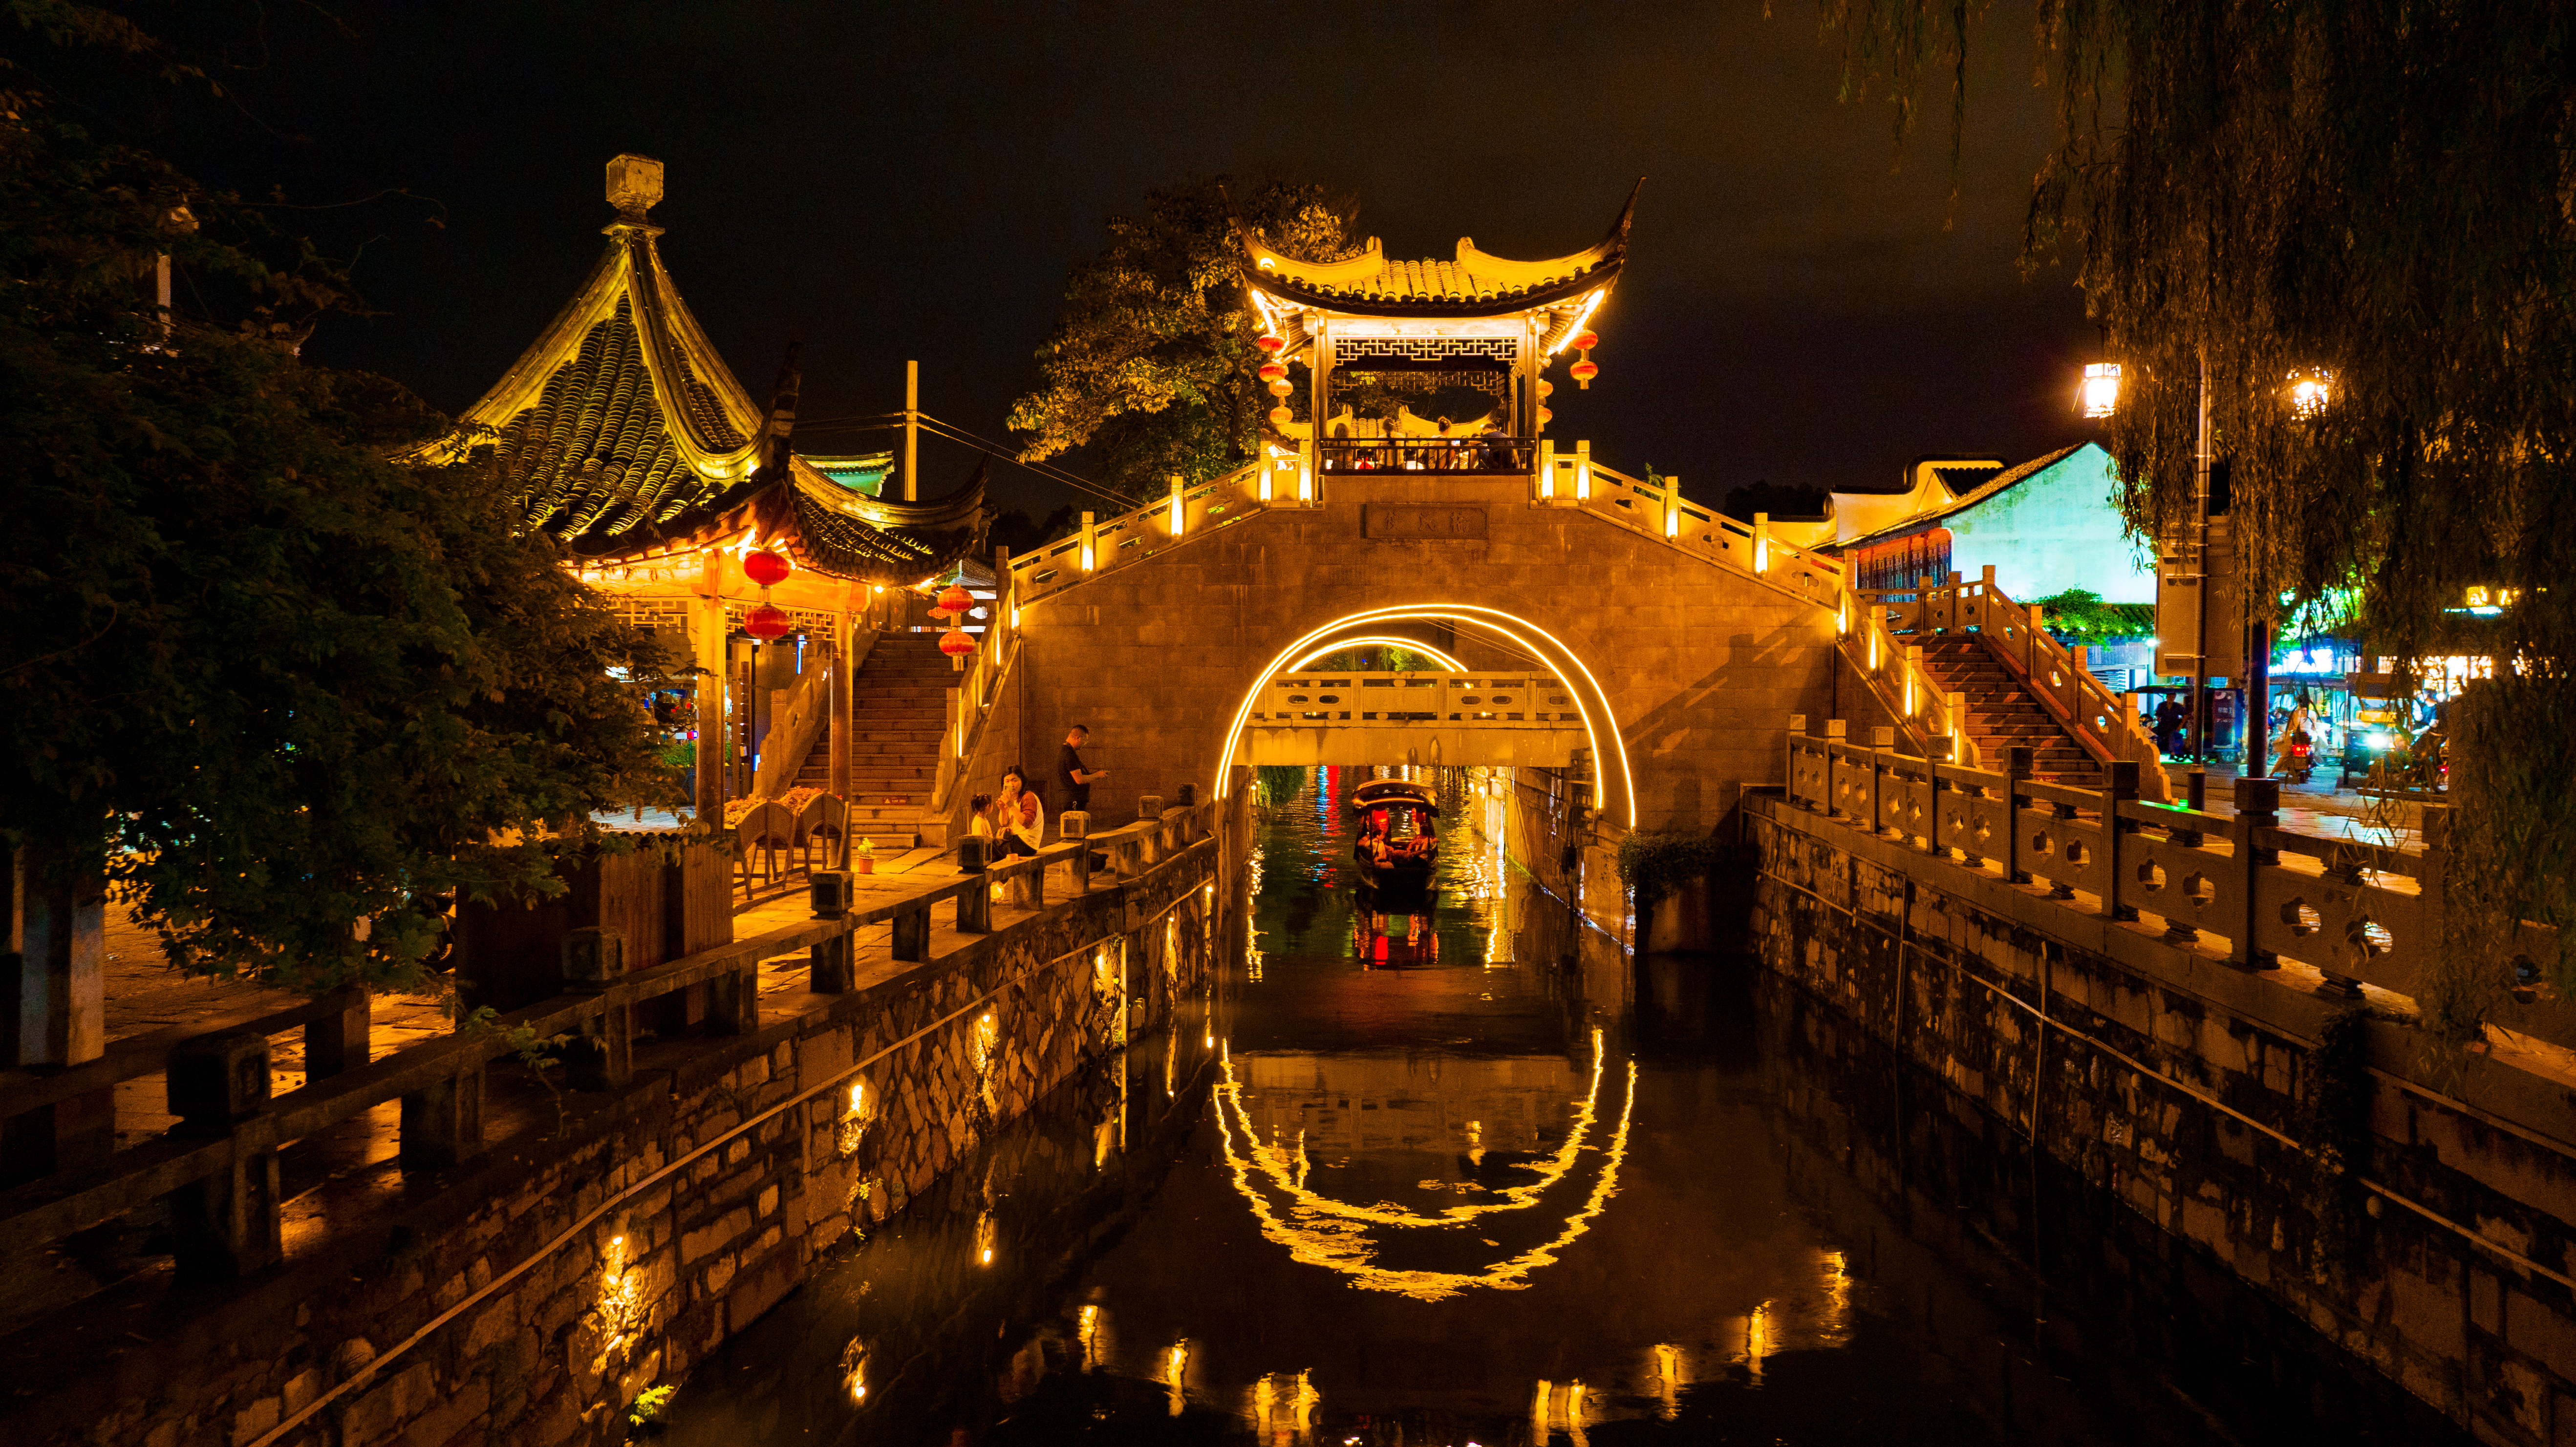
1426,1180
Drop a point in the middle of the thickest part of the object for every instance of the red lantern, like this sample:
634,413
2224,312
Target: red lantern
1586,342
1546,388
955,602
1273,371
1583,373
1280,417
1282,387
959,645
765,568
765,623
1545,417
1269,343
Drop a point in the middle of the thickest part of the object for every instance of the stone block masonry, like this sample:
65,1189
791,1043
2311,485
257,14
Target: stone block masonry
530,1296
2195,1094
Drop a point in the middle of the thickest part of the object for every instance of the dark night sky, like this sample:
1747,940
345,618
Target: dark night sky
887,181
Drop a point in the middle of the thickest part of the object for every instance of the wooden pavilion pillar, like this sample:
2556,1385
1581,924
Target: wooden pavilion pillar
707,628
844,681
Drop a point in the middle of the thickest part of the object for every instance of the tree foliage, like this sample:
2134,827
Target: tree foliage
2376,193
272,683
1152,363
2079,615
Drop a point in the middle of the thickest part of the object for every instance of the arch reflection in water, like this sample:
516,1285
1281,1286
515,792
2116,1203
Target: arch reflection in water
1320,1231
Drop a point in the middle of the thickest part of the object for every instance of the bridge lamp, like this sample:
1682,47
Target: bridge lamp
2098,395
1176,504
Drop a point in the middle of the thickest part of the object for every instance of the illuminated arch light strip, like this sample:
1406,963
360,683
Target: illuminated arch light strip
1274,1164
1336,1251
1493,620
1416,644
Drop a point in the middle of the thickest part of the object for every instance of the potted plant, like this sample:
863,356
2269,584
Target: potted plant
863,858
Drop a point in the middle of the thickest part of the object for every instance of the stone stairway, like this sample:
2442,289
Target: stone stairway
2002,714
900,705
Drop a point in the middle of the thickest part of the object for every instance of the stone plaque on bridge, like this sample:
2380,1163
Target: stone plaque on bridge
1414,521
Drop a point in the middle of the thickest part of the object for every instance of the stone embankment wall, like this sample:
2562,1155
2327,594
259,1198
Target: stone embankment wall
2196,1094
533,1296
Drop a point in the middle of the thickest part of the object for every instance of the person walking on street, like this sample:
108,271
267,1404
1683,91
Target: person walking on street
1070,775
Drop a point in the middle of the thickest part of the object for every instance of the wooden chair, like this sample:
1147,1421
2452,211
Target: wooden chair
769,830
825,821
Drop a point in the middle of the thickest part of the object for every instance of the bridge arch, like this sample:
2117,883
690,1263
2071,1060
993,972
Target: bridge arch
1613,783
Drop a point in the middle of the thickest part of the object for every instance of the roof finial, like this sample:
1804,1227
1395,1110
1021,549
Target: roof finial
634,184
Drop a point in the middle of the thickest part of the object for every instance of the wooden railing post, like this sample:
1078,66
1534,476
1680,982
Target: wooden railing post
226,1223
602,1056
2120,788
2258,807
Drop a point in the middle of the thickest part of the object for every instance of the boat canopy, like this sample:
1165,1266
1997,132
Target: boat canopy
1382,793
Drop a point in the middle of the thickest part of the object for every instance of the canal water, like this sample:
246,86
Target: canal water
1432,1178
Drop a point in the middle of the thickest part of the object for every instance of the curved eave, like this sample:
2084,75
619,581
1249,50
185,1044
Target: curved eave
673,344
818,523
1500,304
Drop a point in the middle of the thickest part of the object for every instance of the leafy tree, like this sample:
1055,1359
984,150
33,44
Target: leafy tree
271,683
2371,194
1152,364
2079,615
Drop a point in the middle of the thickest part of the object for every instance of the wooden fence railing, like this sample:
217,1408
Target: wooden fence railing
219,1170
2359,912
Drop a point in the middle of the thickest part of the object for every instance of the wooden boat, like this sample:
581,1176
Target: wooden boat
1397,844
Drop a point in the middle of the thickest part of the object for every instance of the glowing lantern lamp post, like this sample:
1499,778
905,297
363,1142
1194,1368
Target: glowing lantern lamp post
2098,395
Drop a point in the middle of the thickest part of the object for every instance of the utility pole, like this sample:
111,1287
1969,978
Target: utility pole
912,432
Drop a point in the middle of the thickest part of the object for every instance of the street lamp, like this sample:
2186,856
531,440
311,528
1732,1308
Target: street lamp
2310,391
2098,395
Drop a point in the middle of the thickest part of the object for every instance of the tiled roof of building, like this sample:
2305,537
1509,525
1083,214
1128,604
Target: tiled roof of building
1474,284
623,434
1963,501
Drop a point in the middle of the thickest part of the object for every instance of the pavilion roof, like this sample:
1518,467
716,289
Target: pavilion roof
624,435
1474,284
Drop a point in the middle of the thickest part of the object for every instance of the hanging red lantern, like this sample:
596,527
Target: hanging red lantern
1282,388
765,568
1280,417
1545,417
959,645
1583,373
1586,342
1269,343
955,602
765,623
1273,371
1546,388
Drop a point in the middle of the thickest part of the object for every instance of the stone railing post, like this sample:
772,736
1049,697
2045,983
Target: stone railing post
602,1056
1797,726
2016,771
338,1041
1076,824
225,1224
1937,752
1882,744
2120,788
442,1122
1836,736
830,968
2258,807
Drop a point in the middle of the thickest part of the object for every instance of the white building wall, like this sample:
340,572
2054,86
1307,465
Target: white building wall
2054,530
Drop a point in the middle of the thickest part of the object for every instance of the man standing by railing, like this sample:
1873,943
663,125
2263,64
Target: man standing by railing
1071,776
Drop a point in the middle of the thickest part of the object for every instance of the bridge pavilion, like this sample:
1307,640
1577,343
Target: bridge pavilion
625,437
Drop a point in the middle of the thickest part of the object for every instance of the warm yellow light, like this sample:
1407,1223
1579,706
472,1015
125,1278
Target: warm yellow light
1434,654
1672,519
1086,557
2099,393
1761,553
1305,482
1596,712
1582,478
2310,391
